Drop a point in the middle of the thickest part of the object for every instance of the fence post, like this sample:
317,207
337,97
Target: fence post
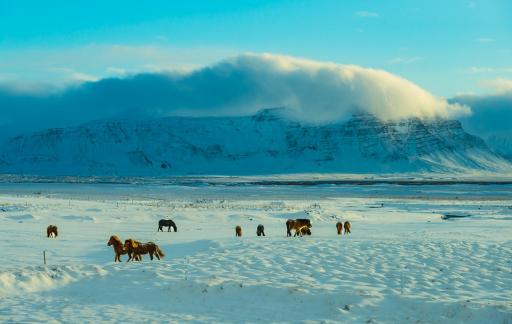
44,256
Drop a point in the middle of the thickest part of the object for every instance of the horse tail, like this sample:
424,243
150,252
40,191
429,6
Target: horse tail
159,252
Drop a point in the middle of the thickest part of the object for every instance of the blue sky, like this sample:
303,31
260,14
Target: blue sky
446,47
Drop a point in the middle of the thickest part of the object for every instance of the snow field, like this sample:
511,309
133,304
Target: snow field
401,263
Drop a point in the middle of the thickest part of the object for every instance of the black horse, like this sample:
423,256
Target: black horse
167,222
260,231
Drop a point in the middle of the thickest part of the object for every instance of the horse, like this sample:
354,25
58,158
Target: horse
51,231
238,230
296,224
119,250
129,250
347,227
260,231
339,227
139,249
303,230
167,222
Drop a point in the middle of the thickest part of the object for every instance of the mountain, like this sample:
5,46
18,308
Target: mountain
265,143
501,144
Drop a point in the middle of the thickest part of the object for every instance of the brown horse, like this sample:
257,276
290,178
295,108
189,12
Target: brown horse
339,227
139,249
303,230
238,230
347,227
119,250
129,250
295,224
51,231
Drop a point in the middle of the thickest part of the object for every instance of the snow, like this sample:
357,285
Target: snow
268,142
402,262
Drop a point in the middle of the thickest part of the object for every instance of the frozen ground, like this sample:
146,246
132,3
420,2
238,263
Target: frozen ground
402,262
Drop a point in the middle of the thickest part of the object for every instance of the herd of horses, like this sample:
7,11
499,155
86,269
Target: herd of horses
135,249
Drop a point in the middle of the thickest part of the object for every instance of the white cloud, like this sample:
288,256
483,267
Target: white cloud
485,40
367,14
479,69
112,70
319,92
79,76
71,75
405,60
499,85
487,69
326,91
95,61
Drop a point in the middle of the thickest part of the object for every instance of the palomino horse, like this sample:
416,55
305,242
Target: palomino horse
347,227
119,250
51,231
296,224
138,249
260,231
238,230
303,230
339,227
167,222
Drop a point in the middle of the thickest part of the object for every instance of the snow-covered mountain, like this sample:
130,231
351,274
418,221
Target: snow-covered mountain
267,142
501,144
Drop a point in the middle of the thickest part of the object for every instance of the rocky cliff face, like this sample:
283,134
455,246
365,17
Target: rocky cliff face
267,142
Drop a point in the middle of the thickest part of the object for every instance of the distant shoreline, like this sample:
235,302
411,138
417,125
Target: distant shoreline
269,180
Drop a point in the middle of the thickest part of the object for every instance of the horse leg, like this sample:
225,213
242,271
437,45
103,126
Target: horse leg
169,228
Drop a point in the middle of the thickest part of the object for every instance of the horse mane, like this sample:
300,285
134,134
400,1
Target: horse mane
132,243
116,239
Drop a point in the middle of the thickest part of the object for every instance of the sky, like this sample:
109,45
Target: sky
446,47
63,62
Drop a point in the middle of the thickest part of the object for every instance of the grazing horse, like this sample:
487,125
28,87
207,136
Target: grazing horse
138,249
347,227
238,230
339,227
119,250
260,231
51,231
303,230
296,224
167,222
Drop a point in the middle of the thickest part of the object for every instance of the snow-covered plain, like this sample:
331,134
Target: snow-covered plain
402,262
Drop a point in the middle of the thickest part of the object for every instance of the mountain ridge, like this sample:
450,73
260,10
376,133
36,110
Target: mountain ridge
268,142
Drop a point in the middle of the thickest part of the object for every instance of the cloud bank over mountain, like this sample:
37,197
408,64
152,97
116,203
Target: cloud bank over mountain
491,114
318,92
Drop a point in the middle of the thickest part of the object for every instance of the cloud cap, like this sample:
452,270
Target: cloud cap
317,92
